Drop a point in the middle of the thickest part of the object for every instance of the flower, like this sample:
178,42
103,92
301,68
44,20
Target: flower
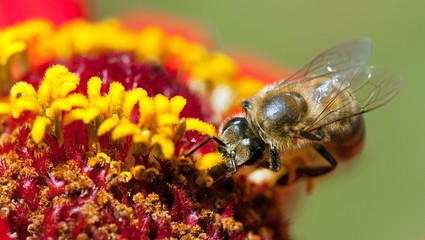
58,11
97,123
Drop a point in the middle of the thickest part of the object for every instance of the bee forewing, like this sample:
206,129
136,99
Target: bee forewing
338,59
371,88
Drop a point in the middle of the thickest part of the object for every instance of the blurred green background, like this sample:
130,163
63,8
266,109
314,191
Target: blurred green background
381,194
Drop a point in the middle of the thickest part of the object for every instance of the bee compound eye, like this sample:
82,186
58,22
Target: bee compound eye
255,150
237,125
241,141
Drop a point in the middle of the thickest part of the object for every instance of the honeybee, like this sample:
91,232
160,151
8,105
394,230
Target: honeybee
319,107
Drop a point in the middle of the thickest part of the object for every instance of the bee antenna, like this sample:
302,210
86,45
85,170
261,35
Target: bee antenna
205,142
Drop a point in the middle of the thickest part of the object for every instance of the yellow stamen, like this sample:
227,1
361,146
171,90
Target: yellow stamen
116,96
86,115
147,111
153,170
25,104
116,165
209,160
58,82
104,156
177,104
93,87
161,103
143,137
200,126
77,100
130,99
167,146
23,90
39,128
124,129
107,125
137,171
126,176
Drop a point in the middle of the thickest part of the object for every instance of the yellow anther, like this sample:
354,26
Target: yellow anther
208,181
116,165
104,156
137,171
125,176
93,161
42,146
153,170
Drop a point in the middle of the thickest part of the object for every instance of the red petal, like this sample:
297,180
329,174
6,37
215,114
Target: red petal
58,11
3,229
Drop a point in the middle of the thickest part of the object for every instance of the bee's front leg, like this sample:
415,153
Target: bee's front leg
275,161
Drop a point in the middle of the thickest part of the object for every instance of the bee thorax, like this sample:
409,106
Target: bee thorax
278,112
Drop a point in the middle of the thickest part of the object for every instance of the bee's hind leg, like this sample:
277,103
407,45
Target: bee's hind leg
324,153
318,171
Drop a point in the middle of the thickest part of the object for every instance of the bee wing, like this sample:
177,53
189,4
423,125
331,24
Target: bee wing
341,85
337,61
369,88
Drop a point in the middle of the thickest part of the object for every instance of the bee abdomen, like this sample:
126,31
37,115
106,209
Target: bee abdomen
348,145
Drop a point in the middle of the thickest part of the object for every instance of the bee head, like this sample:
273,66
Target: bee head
242,146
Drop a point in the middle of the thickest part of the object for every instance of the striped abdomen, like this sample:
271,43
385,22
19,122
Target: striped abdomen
348,145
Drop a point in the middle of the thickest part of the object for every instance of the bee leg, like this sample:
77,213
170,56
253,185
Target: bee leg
274,159
324,153
311,136
234,166
318,171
